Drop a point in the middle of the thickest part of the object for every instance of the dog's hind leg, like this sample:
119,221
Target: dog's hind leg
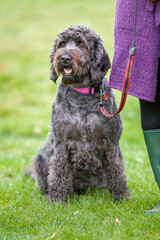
41,165
41,173
115,176
60,178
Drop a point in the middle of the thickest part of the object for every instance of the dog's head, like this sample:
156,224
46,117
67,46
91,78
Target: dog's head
77,52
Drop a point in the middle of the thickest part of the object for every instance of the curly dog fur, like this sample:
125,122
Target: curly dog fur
82,149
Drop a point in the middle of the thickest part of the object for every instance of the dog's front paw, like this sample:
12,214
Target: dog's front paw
55,196
52,198
125,195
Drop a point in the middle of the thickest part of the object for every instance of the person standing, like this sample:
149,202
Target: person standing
145,78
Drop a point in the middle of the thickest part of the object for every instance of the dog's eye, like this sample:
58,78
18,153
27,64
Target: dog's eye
62,44
81,44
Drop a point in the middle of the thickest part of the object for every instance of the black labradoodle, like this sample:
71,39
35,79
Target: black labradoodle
82,149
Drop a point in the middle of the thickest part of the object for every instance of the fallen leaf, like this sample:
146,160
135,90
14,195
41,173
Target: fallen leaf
75,213
117,221
54,234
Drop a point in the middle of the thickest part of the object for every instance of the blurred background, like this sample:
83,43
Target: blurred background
27,31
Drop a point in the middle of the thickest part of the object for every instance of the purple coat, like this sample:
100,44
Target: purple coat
144,74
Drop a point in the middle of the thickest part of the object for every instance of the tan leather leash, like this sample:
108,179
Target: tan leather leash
132,53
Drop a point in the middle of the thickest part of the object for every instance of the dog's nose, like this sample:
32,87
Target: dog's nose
65,59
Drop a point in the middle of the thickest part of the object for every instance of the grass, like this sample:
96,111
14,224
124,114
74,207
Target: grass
27,31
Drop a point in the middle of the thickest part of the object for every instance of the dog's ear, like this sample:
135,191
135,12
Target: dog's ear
53,75
100,62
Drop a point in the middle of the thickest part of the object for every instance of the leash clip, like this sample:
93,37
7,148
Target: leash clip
132,51
100,104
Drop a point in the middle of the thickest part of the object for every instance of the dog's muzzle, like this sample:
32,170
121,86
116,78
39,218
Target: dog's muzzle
66,63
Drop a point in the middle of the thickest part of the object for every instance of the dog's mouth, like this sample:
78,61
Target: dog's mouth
68,71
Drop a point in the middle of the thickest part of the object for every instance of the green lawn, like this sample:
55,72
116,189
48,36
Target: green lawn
27,30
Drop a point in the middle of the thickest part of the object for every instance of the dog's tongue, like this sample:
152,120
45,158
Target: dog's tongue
68,70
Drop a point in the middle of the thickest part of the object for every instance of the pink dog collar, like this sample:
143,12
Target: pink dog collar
86,90
91,91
